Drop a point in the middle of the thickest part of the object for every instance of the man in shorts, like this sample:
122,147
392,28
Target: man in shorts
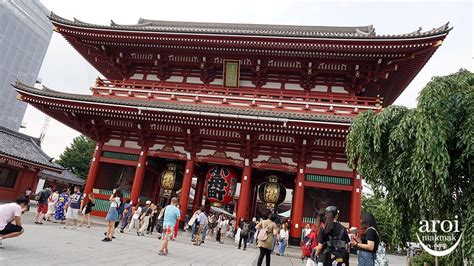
42,197
171,215
73,206
8,213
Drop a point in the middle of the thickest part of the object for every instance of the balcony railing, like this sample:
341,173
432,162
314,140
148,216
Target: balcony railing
238,97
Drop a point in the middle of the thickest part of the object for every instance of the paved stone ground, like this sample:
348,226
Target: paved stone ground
51,245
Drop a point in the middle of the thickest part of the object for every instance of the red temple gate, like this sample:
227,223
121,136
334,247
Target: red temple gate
256,98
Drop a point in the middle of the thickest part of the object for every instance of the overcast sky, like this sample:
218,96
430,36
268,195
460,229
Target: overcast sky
65,70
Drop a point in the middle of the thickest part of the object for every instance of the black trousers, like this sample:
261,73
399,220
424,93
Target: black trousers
264,252
244,238
151,225
218,235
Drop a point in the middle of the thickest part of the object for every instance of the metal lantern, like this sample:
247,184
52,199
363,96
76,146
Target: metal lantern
168,179
271,192
220,185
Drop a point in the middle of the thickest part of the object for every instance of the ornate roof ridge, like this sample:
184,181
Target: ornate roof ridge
264,30
19,134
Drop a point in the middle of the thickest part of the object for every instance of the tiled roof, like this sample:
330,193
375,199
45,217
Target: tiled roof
66,176
24,148
249,29
177,107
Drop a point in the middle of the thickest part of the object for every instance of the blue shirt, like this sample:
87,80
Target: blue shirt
171,215
75,201
202,218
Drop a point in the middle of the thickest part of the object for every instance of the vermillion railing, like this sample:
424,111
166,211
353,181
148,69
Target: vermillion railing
237,97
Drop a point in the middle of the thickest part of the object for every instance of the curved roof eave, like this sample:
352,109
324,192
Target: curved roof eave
356,33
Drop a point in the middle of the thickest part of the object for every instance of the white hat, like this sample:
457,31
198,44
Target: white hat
148,202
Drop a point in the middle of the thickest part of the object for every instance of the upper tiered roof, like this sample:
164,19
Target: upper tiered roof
354,58
268,30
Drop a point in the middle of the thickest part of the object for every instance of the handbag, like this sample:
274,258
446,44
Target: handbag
380,255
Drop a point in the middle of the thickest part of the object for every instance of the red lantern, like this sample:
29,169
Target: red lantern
221,183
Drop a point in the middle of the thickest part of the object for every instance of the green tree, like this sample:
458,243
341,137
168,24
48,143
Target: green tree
419,159
77,157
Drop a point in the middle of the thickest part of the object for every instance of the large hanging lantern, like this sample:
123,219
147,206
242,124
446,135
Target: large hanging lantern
220,185
271,192
168,179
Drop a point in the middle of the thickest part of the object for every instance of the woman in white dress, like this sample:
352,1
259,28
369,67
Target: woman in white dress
224,224
52,200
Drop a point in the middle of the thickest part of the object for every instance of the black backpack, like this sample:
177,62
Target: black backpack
245,229
335,250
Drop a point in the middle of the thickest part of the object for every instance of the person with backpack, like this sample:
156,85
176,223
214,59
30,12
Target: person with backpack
42,199
153,219
244,233
252,231
309,246
370,251
332,240
266,235
145,218
113,214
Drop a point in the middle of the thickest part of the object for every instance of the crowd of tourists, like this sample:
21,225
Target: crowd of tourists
63,207
326,242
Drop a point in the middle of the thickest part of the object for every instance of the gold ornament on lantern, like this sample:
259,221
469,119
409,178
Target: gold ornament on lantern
168,179
272,192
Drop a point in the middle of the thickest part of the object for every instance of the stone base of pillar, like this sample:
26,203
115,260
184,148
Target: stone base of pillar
294,241
182,224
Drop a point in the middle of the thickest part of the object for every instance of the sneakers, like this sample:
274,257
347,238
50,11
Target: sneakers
161,253
106,239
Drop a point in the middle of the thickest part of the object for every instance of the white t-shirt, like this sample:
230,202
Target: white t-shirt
115,203
8,212
137,213
283,233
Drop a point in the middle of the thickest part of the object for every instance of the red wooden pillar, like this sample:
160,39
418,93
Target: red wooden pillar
139,175
356,200
297,206
245,193
156,188
197,202
185,188
93,170
253,206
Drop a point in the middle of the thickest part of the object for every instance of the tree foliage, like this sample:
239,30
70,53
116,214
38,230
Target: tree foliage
77,157
419,159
